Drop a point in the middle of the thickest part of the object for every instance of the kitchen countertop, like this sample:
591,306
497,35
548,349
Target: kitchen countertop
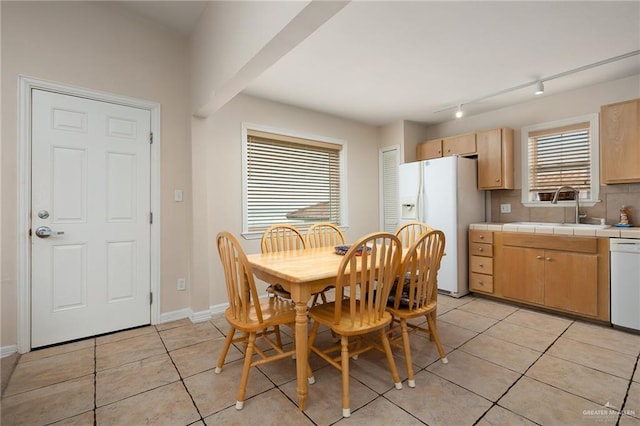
565,229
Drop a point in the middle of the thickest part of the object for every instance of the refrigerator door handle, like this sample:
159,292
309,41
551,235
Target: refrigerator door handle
421,197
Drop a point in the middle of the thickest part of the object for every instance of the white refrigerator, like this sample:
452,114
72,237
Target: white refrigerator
443,194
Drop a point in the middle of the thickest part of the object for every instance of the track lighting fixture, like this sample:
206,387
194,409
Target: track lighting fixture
538,83
459,112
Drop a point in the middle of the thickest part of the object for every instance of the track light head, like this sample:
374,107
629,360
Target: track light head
539,87
459,112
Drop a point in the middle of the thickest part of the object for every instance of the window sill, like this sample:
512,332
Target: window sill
571,203
252,235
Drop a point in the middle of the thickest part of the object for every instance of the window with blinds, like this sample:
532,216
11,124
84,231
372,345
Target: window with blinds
290,180
560,154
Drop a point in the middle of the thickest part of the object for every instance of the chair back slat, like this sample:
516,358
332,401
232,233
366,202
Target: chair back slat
239,279
411,231
282,238
419,272
365,278
324,234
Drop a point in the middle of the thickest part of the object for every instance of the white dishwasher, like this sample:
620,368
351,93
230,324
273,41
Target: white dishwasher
625,282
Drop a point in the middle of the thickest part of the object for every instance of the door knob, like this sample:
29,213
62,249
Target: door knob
46,232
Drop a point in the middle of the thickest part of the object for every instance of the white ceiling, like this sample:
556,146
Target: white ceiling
383,61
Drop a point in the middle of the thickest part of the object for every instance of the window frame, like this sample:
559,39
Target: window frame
593,120
246,127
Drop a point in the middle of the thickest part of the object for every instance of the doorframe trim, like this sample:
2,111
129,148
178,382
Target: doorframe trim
25,85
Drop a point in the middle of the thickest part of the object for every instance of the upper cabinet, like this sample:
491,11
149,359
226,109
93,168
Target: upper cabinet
459,145
429,149
620,142
495,158
494,149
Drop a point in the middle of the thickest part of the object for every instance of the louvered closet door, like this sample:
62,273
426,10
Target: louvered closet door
390,200
91,181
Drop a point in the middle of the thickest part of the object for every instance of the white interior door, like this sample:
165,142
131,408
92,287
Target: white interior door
91,187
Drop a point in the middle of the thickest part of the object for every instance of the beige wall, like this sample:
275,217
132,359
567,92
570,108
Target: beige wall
219,173
406,134
100,46
543,109
414,133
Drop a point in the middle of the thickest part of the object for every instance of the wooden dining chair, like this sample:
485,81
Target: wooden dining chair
411,231
253,317
365,277
415,295
324,234
280,238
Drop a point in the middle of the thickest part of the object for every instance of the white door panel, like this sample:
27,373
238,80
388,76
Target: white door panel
91,173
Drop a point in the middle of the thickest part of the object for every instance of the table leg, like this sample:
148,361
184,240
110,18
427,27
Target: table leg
301,353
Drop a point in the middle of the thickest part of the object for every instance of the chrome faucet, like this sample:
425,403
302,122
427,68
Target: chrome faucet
576,196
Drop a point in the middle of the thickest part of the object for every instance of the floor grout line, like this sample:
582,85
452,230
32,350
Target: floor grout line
384,395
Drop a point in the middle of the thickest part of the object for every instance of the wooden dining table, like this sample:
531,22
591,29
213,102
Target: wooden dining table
302,273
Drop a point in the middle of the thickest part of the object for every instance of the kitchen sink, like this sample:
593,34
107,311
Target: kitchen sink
566,225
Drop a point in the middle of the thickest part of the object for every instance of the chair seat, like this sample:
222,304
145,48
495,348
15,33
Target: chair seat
325,314
405,312
274,311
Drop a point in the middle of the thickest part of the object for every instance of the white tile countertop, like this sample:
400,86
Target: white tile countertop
560,229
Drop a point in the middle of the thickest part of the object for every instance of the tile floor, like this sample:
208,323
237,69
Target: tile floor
507,366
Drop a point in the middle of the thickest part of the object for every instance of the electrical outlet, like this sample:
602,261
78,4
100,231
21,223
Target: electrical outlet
505,208
182,284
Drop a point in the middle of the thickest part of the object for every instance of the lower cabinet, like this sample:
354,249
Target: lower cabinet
556,279
481,261
561,273
523,274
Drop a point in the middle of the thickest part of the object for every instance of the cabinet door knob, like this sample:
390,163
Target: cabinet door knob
482,237
480,249
497,180
548,259
539,257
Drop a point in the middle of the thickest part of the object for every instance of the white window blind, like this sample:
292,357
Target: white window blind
560,157
291,180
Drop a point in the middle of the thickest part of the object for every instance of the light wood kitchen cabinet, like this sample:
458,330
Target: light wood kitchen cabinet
429,149
481,261
495,158
453,145
620,142
563,273
523,274
555,279
494,149
459,145
571,282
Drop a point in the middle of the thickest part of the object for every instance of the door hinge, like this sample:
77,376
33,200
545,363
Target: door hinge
150,298
151,218
151,138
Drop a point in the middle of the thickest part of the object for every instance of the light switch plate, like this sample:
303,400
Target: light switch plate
177,195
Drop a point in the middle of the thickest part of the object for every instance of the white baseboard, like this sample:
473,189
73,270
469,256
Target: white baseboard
194,317
218,309
200,316
175,315
8,350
